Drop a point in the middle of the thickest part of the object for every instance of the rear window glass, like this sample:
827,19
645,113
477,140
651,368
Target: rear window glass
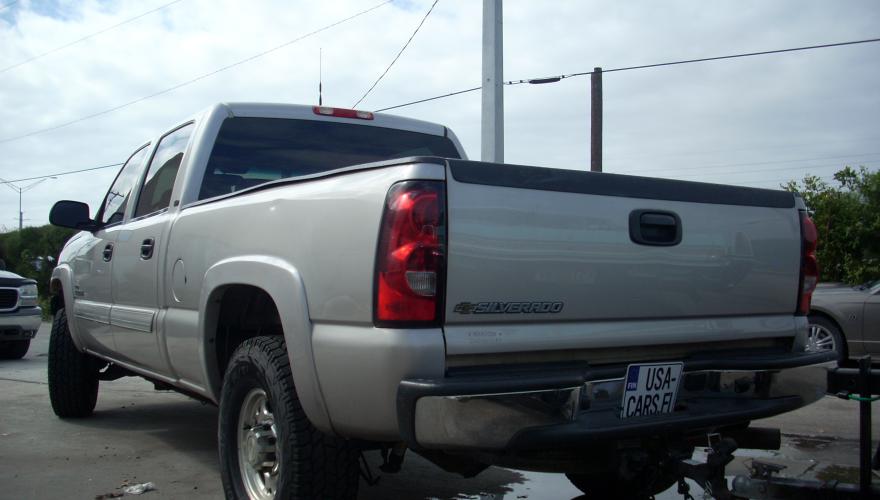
251,151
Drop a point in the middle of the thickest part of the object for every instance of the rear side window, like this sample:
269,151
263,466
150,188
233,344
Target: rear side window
251,151
156,192
113,209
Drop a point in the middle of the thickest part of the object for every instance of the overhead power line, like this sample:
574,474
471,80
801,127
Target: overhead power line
553,79
465,91
192,80
711,175
622,172
728,165
779,182
472,89
78,40
68,172
397,56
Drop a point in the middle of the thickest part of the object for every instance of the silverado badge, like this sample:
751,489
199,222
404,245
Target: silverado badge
508,307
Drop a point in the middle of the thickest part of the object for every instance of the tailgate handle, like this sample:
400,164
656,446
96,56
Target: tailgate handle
654,227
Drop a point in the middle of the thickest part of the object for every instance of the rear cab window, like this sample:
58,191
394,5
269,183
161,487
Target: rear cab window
252,151
155,194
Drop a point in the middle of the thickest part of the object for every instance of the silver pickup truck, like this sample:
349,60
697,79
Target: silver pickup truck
340,281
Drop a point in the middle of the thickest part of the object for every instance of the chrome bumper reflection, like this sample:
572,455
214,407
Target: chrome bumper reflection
489,421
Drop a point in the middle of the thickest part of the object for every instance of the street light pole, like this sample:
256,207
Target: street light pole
20,190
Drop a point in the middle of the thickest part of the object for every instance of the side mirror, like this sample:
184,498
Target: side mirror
72,214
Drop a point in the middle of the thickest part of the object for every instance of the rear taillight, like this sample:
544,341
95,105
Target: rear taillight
410,259
809,263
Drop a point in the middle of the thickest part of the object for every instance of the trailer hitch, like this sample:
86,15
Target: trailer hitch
709,475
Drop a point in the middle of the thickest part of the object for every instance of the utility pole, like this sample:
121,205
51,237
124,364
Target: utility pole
596,120
492,143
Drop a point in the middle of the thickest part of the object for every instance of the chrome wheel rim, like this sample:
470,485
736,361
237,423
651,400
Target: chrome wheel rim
258,460
820,339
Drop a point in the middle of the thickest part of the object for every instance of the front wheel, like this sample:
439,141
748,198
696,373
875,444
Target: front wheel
268,447
14,349
73,376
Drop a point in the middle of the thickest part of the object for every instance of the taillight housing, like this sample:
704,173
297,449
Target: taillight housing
411,256
809,263
342,112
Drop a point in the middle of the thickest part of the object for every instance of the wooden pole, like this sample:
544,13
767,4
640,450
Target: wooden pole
596,120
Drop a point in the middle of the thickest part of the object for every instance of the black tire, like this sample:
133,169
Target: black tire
73,376
14,349
839,341
602,486
312,464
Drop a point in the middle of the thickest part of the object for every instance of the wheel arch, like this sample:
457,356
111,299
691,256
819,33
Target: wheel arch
283,284
61,289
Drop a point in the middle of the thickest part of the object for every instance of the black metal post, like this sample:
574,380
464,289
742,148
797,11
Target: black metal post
865,426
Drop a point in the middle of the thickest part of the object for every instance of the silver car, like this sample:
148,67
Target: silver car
846,319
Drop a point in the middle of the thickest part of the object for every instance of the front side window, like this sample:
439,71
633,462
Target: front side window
156,192
113,209
251,151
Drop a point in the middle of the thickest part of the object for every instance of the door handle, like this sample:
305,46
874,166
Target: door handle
108,252
655,227
147,248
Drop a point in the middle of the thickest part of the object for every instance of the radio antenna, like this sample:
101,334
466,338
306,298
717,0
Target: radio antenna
320,99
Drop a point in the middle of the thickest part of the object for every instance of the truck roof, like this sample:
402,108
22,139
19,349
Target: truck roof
306,112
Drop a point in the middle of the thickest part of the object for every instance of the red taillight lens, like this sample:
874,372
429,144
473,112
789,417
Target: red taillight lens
809,263
411,256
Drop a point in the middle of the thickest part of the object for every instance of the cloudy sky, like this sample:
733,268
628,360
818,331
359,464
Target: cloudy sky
755,121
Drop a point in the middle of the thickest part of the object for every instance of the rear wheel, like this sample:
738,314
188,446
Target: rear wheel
73,376
14,349
268,447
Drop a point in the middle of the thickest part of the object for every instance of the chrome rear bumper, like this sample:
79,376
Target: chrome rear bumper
540,411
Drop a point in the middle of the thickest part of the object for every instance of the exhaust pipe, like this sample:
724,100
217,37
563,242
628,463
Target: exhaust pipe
752,438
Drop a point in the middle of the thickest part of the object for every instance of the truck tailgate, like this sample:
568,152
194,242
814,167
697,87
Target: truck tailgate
536,253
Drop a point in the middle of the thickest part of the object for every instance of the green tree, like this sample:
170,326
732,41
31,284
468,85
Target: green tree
847,217
32,253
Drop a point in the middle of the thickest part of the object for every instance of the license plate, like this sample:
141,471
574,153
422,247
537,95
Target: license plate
650,389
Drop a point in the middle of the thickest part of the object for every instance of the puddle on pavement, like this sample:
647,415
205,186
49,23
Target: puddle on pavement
539,486
700,454
810,443
804,457
842,473
534,485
